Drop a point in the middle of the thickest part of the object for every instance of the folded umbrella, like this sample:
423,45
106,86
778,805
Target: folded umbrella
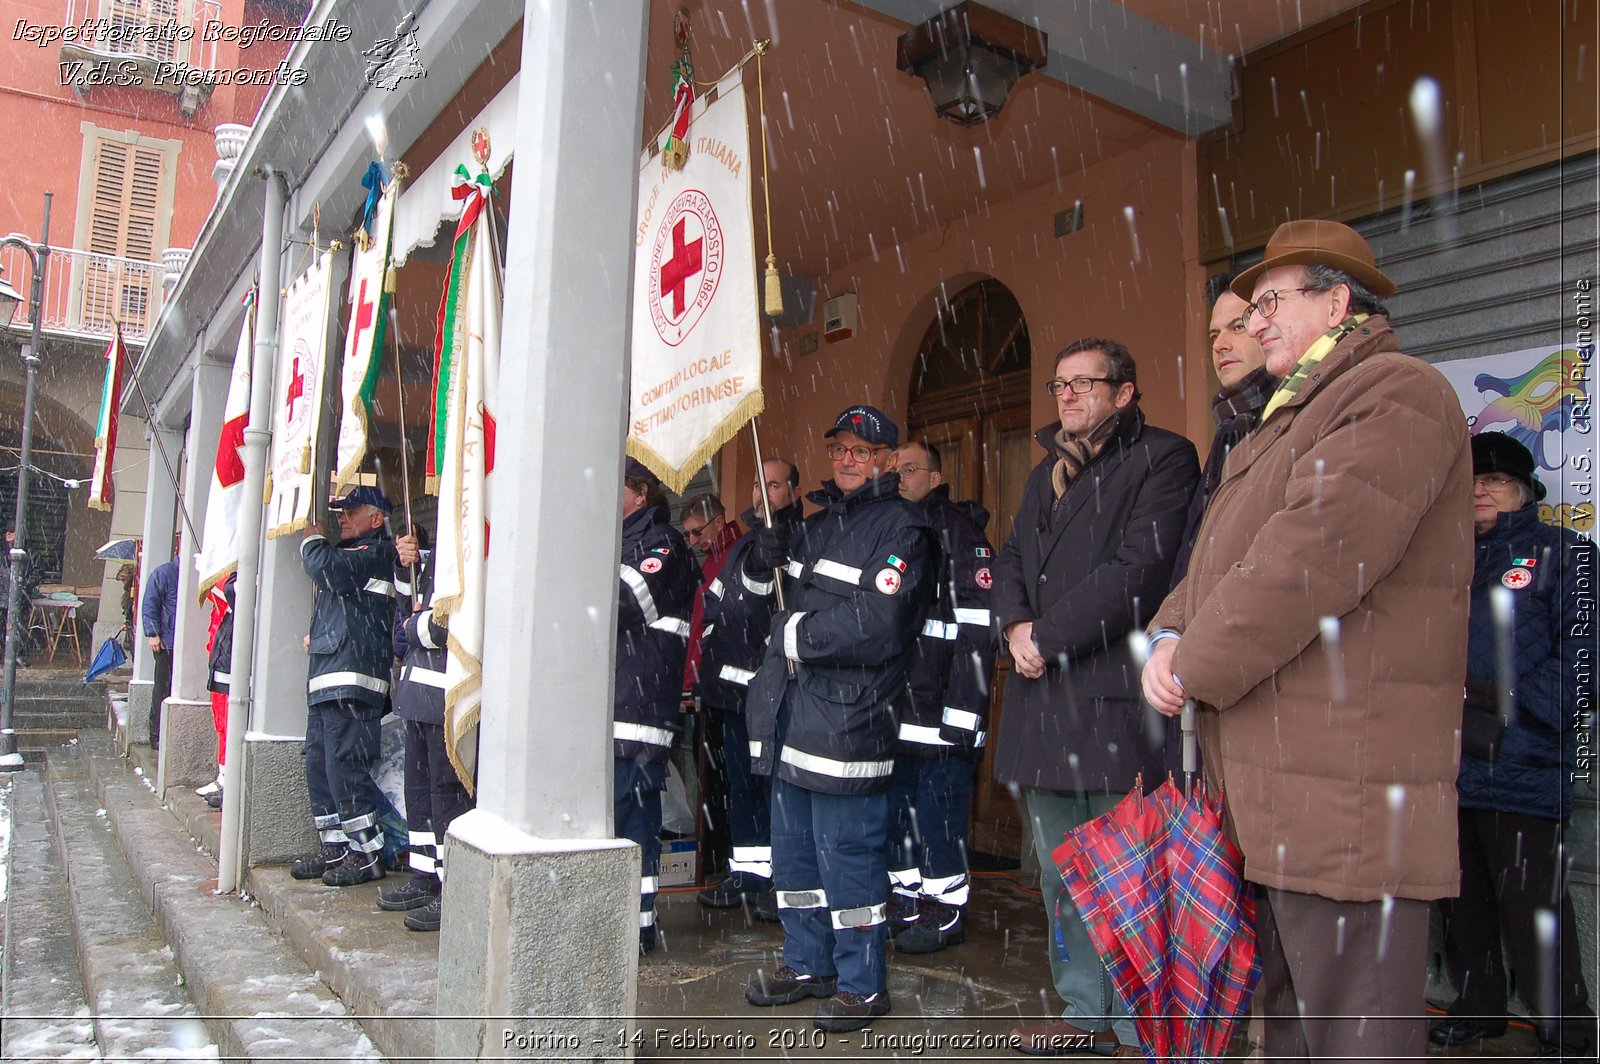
108,657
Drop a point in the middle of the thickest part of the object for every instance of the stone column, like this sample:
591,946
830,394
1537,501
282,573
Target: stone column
190,749
160,520
540,915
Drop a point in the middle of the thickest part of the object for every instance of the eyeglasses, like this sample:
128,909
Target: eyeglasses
1079,385
696,533
1494,481
862,455
906,469
1267,305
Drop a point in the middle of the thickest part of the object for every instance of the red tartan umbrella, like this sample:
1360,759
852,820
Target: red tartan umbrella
1158,885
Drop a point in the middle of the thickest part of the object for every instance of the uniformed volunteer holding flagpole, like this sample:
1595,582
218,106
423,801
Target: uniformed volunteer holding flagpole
861,574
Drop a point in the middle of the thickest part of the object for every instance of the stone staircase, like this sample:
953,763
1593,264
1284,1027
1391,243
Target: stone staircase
53,704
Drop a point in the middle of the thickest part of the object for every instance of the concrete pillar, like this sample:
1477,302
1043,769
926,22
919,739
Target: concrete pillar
189,748
540,916
129,477
160,520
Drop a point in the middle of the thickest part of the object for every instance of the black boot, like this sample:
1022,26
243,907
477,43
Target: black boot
313,865
939,926
357,867
428,917
414,893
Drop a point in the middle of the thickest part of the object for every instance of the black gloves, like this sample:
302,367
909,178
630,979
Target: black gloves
1481,724
769,550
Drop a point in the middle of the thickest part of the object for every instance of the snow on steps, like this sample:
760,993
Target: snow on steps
261,1001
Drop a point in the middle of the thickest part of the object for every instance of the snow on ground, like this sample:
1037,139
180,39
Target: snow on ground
5,833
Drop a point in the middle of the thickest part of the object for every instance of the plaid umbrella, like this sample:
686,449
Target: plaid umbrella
1157,883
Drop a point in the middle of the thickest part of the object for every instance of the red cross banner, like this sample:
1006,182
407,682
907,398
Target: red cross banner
696,333
219,538
297,400
105,436
363,347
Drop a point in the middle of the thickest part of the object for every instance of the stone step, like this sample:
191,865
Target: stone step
138,1003
263,1002
46,1016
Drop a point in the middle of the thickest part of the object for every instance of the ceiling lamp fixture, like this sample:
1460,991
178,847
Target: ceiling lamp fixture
970,56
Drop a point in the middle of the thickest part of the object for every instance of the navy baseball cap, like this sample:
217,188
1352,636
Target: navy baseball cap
868,422
362,496
637,470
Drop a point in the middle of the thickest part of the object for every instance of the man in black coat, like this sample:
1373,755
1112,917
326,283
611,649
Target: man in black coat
659,578
1088,560
943,736
822,714
738,615
351,651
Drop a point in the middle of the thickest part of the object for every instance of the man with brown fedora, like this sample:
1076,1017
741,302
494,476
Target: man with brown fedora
1321,630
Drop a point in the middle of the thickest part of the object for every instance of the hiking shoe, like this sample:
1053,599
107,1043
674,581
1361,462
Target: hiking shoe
214,799
901,913
850,1012
414,893
764,905
939,926
730,893
427,917
313,865
353,870
211,788
786,986
1459,1030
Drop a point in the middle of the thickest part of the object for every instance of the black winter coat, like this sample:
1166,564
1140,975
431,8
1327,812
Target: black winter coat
857,588
350,648
954,658
659,579
1552,658
1088,570
738,616
420,644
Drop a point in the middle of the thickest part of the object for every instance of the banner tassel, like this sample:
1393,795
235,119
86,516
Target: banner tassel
773,303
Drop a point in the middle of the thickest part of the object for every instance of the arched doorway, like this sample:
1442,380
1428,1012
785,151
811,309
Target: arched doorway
969,397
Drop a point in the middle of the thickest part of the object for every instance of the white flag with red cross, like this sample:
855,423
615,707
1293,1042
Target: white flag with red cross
696,331
297,401
219,539
363,347
467,373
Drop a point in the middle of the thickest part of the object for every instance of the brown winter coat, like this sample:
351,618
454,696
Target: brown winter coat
1324,622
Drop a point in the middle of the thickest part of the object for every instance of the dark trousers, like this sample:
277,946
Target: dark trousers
636,808
160,693
749,802
832,875
930,802
434,796
1513,872
341,748
1341,980
713,788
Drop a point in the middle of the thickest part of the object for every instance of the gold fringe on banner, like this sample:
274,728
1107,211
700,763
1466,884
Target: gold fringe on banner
678,479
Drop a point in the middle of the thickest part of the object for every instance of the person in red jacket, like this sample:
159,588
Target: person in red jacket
711,533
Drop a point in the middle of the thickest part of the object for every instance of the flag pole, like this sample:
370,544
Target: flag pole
766,515
405,465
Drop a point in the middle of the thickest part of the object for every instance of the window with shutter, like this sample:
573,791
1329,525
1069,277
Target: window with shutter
123,219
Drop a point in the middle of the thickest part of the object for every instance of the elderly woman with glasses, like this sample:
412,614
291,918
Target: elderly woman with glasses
1526,660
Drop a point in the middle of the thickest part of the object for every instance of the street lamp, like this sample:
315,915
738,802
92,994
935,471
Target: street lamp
39,259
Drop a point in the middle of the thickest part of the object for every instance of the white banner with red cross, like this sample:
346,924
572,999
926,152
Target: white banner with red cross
219,539
696,333
363,348
297,400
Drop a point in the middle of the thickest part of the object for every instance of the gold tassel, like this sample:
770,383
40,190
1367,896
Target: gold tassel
774,295
389,280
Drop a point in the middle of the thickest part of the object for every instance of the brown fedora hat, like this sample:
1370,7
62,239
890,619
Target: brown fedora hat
1314,241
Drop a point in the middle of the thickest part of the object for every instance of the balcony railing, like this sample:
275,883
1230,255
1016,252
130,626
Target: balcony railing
85,293
161,31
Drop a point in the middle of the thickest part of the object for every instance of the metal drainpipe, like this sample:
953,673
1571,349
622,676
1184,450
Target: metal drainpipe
257,436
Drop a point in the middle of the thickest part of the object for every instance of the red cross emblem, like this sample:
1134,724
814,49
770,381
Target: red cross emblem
365,313
888,581
1517,579
480,146
230,463
297,404
983,578
685,265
